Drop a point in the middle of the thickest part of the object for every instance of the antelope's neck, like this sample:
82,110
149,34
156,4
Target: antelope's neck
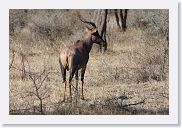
88,44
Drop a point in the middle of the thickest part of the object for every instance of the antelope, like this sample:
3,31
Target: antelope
75,57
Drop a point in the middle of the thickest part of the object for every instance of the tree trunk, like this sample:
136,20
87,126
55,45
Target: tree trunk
104,14
123,18
117,19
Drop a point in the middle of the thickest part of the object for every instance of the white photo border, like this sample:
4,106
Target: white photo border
172,118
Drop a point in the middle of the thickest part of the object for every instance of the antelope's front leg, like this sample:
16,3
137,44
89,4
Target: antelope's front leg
82,80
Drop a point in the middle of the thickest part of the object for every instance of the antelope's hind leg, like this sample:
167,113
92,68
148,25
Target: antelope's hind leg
64,81
63,72
72,72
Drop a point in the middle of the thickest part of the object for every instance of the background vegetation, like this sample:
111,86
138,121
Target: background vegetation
131,77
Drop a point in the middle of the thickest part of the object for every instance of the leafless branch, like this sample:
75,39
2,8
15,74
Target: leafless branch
12,61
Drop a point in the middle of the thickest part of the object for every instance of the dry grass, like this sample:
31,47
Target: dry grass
127,79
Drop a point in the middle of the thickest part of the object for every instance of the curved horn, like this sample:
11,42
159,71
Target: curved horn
91,24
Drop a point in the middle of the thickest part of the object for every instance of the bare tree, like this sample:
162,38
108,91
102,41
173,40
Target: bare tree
122,15
104,14
38,83
12,60
101,16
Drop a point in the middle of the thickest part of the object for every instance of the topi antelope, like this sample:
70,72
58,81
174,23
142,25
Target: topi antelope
76,56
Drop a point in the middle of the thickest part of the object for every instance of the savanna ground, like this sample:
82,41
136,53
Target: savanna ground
130,78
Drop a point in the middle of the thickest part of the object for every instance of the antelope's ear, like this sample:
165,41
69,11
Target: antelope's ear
93,30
